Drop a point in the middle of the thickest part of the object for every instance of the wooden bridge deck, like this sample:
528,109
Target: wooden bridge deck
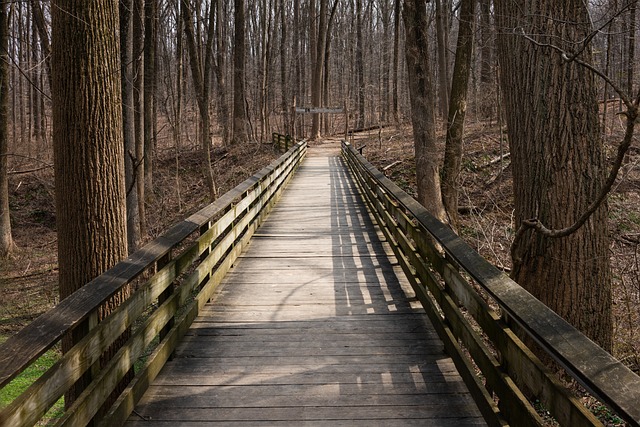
312,327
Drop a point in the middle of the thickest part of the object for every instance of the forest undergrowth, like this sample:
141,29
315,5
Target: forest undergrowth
29,278
486,211
486,215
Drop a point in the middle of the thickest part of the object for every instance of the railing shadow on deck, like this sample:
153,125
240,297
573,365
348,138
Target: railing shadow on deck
499,369
183,266
359,249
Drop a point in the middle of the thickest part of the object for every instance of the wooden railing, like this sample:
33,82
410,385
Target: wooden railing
282,142
183,267
495,364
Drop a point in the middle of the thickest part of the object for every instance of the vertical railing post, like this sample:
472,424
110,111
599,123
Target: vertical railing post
165,295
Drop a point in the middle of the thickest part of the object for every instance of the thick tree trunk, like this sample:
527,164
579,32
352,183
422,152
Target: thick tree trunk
422,114
557,159
128,124
88,146
457,112
6,239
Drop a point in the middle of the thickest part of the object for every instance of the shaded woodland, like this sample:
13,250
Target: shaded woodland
195,82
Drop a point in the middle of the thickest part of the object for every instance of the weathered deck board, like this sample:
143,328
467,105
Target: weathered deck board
315,325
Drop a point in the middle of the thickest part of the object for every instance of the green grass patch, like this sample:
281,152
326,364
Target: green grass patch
16,387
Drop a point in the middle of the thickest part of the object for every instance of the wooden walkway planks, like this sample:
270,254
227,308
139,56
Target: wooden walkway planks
313,326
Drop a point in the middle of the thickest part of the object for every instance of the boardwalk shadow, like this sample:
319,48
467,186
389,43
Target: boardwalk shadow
333,336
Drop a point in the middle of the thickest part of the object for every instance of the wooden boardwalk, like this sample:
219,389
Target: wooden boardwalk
314,326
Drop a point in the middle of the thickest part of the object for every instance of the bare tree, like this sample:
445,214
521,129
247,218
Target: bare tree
457,112
201,73
557,159
422,114
88,146
240,131
6,239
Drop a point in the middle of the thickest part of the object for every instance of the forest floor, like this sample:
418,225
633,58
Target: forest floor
28,280
486,216
486,211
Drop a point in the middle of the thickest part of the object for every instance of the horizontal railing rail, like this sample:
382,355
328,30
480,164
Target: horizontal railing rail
183,266
500,370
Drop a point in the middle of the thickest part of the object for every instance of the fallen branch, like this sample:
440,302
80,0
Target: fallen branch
29,170
389,166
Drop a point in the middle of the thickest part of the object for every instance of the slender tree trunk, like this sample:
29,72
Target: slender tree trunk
138,107
177,128
240,131
487,77
396,59
88,147
421,91
284,90
128,124
219,70
457,112
631,64
362,86
38,18
150,37
296,58
557,160
327,57
6,239
443,66
201,77
318,64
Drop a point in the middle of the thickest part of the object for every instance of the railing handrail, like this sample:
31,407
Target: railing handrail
23,348
599,372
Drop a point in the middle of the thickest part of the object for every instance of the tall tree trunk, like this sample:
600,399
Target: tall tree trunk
201,74
443,62
327,57
138,107
6,239
457,112
41,26
557,160
128,124
631,64
360,66
88,147
150,37
240,131
284,90
422,114
487,77
318,68
396,59
177,128
219,70
296,58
